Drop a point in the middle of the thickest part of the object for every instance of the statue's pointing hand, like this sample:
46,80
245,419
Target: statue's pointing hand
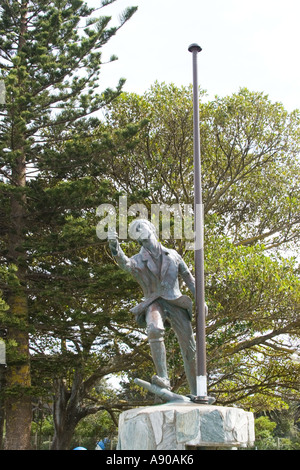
113,241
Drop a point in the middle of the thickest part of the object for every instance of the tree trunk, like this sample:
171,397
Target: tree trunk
18,379
18,409
65,416
62,440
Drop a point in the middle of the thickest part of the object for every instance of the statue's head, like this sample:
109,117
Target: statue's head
142,229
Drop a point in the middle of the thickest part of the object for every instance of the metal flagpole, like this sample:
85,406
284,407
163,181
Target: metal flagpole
199,248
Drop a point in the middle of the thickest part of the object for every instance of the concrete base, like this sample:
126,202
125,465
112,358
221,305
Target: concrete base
176,426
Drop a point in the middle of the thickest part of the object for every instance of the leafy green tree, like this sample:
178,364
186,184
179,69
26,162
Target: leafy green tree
247,142
264,438
278,432
253,325
250,158
50,56
287,424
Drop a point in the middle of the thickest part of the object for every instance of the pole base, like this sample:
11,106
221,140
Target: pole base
202,400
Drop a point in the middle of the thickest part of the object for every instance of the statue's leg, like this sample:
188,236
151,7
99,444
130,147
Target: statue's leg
155,332
182,327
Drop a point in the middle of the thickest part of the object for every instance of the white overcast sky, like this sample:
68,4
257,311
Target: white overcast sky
246,43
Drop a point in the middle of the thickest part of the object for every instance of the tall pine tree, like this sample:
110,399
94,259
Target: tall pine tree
50,58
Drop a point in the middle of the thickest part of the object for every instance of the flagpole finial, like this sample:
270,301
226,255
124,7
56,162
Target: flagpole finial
195,47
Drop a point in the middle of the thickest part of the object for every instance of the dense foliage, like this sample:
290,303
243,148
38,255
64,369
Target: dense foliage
250,155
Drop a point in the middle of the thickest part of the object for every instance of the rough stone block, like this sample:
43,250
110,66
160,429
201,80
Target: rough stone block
175,426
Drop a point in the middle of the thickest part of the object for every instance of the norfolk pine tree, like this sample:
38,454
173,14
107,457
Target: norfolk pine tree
50,56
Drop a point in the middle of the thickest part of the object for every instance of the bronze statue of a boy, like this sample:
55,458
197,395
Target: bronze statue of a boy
157,269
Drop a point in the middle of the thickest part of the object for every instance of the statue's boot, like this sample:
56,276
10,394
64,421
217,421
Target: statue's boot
161,382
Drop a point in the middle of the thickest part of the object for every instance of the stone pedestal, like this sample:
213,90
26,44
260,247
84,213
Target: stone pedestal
176,426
